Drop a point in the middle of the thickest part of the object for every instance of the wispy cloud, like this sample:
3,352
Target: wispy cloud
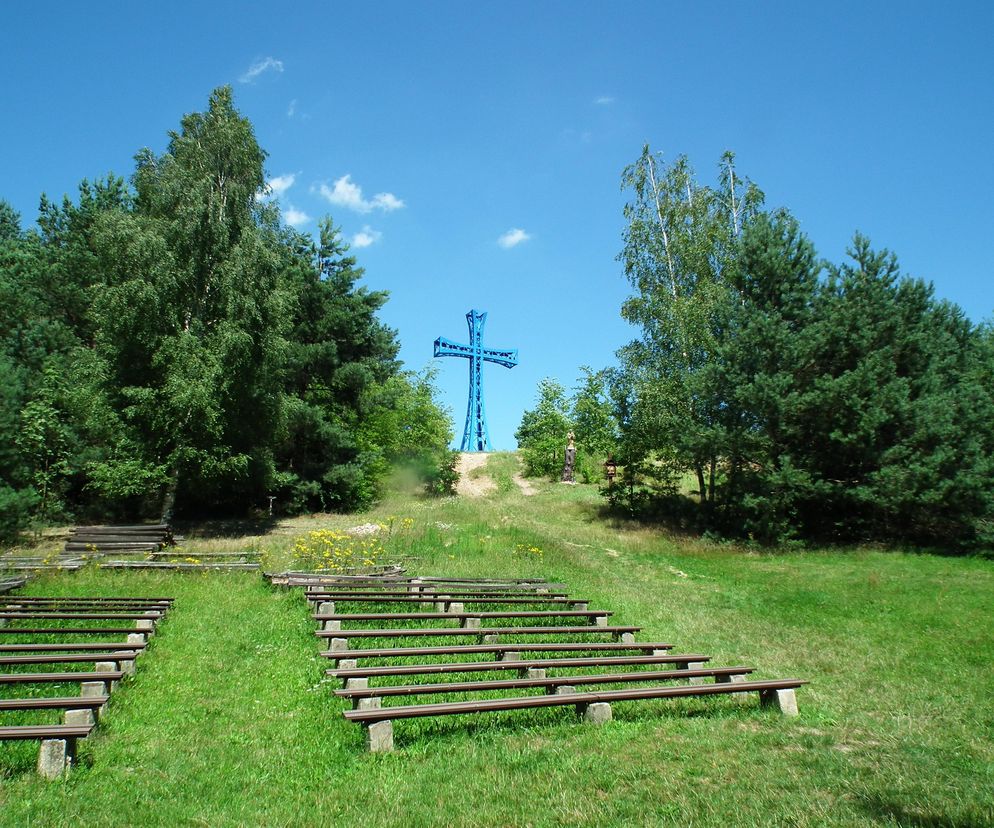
260,66
295,217
513,237
346,193
291,110
280,184
366,237
604,100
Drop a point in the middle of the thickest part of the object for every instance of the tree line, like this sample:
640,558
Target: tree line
804,399
169,345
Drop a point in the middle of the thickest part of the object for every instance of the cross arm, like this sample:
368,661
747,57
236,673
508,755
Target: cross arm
508,358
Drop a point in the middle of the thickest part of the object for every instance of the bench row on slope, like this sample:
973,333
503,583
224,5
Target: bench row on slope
509,644
49,644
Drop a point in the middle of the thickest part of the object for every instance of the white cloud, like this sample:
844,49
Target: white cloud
261,66
366,237
604,100
295,217
513,237
280,184
346,193
291,110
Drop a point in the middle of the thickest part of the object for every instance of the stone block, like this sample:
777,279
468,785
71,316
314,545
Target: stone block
564,690
627,638
455,606
596,713
135,638
146,624
379,736
326,608
784,700
733,678
580,605
658,652
128,666
510,655
471,623
348,663
600,620
536,673
54,756
372,703
333,624
338,645
490,638
357,684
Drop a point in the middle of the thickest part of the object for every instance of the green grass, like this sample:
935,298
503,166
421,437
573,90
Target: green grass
227,721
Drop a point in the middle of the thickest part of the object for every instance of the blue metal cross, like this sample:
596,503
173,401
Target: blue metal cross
476,436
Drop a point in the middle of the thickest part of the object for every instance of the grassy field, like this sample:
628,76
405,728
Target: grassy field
228,722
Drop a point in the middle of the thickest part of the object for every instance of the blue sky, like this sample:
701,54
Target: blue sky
433,131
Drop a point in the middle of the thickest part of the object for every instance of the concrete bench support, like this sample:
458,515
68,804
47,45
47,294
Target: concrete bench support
80,717
338,645
326,608
455,606
379,737
55,756
694,665
509,655
490,638
535,673
626,638
596,713
784,700
471,623
579,605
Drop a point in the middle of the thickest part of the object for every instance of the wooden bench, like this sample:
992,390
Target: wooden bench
124,658
76,630
691,662
340,638
508,651
58,744
358,694
333,621
105,677
37,600
427,595
73,648
91,703
440,598
595,707
75,616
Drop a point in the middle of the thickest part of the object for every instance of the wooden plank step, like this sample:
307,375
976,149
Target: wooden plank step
528,702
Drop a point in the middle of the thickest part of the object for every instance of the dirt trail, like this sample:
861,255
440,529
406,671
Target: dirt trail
482,485
477,486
